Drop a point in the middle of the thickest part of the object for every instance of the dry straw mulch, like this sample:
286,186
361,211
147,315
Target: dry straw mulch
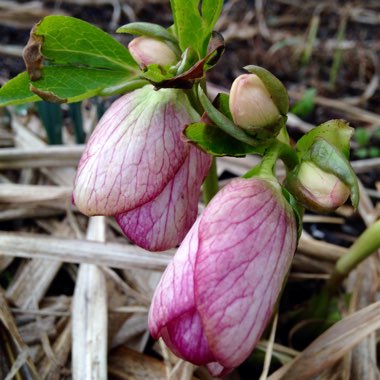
75,294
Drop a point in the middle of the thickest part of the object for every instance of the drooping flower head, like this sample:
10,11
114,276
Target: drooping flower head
216,297
136,167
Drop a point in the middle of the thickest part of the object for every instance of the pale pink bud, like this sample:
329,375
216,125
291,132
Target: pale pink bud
217,295
319,190
147,51
251,104
134,164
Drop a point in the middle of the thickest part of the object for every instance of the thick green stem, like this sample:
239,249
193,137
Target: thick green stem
210,185
367,243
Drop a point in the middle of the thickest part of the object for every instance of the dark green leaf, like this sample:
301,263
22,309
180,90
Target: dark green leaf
213,140
274,86
72,84
147,29
67,40
331,160
337,132
16,91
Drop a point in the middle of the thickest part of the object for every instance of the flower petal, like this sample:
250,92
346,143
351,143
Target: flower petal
134,152
163,222
174,294
247,237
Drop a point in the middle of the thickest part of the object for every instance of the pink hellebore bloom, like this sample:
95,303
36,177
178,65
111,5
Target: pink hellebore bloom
217,295
136,168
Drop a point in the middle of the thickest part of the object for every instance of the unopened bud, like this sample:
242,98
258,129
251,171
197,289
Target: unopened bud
251,104
318,190
147,51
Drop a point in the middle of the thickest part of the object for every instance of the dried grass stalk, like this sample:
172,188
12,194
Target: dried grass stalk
13,351
332,345
89,315
31,282
81,251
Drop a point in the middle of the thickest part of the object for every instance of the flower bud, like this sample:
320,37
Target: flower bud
251,104
316,189
137,168
147,51
217,295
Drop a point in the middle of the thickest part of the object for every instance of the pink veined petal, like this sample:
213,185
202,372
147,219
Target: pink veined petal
172,314
247,237
134,152
184,335
174,294
163,222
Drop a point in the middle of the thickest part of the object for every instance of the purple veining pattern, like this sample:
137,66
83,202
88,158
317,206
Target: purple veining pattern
163,222
226,276
134,152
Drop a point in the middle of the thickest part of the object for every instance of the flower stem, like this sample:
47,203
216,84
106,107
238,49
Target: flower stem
210,185
365,245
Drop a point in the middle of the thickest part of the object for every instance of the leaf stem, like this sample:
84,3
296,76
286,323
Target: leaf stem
210,185
367,243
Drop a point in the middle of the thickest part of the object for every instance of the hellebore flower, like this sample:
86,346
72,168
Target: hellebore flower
147,51
217,295
316,189
251,104
136,168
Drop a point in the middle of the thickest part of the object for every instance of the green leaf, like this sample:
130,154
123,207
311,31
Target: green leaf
274,86
337,132
67,40
147,29
72,84
305,105
213,140
16,91
192,27
362,136
211,11
331,160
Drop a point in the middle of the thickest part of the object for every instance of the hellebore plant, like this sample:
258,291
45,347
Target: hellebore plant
146,160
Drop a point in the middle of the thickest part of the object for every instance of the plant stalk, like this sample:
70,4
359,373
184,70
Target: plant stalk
210,185
367,243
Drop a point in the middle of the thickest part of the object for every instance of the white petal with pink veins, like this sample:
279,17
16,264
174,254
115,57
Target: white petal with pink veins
247,238
163,222
134,152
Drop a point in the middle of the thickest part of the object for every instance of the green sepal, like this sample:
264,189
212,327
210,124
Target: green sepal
17,91
213,140
336,132
328,158
274,86
297,209
156,74
147,29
